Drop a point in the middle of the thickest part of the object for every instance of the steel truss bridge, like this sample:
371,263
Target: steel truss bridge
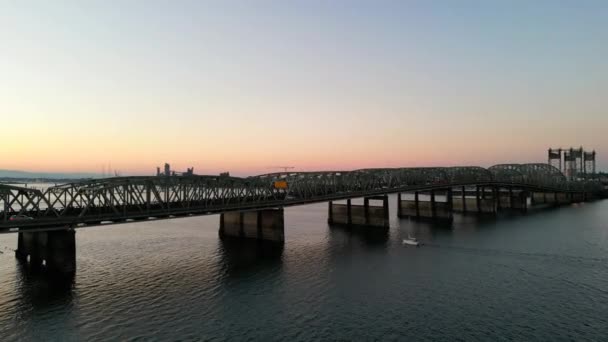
121,199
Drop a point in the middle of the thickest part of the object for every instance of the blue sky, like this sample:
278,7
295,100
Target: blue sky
316,84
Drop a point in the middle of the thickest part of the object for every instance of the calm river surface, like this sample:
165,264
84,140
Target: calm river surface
539,276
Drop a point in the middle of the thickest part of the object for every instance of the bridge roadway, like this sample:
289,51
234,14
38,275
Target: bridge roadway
120,199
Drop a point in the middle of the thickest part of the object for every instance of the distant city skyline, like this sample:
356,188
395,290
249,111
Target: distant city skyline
244,86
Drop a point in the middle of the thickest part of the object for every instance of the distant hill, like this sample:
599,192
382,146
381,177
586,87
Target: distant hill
46,175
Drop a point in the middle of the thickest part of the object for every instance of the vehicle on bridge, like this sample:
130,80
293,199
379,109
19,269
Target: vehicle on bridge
20,218
280,184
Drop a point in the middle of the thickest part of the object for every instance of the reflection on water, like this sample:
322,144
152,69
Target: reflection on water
242,256
535,276
372,237
40,288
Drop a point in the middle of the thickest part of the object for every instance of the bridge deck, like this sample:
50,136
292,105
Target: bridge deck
135,198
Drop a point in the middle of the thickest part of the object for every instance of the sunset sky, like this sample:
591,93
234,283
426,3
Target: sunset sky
244,86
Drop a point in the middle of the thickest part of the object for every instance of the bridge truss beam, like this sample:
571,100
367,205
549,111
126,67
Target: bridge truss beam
122,198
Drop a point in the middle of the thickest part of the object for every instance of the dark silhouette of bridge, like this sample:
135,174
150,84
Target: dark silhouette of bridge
251,207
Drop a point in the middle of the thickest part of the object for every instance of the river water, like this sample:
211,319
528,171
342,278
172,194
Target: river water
538,276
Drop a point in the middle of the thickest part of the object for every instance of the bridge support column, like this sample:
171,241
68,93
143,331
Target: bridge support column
459,201
20,252
265,224
471,201
543,199
480,201
409,208
562,198
488,204
520,202
513,200
360,215
57,249
399,210
590,196
428,209
578,197
539,198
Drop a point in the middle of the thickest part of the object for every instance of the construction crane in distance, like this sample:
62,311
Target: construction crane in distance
285,168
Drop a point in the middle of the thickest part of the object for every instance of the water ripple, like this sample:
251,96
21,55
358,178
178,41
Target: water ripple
536,277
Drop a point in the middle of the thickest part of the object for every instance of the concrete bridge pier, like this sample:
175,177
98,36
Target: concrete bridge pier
540,198
559,198
432,209
264,224
55,249
578,197
549,198
408,208
365,215
543,199
513,200
481,201
590,196
562,198
460,201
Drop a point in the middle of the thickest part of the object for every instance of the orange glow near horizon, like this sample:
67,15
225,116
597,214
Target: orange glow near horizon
246,146
133,158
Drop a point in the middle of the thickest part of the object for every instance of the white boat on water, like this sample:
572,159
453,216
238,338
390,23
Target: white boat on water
412,241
